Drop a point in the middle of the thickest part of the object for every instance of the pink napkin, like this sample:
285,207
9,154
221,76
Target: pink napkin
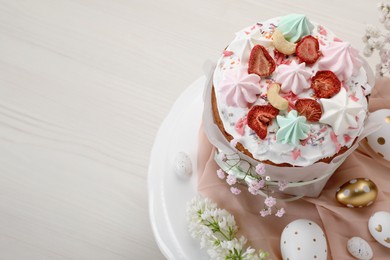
338,222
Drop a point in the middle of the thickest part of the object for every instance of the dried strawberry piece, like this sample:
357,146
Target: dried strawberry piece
309,108
308,49
325,84
259,117
260,62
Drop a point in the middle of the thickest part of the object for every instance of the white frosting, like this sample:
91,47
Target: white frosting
321,140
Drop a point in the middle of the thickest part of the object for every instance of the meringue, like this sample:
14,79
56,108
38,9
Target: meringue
340,112
293,77
292,128
295,26
244,43
342,59
238,88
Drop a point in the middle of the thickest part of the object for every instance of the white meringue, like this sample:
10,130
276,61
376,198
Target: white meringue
340,112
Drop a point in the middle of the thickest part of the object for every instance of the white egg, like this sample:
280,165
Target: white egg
379,227
183,165
380,140
303,239
359,248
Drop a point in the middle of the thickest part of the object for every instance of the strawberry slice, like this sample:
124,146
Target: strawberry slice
309,108
325,84
260,62
308,49
259,117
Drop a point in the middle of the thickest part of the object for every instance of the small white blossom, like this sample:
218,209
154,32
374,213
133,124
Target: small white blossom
270,201
235,190
216,229
231,179
221,174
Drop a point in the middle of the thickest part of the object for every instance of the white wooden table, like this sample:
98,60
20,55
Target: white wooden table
84,86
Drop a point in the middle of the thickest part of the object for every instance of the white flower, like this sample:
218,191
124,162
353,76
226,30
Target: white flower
235,190
270,201
231,179
260,169
221,174
216,230
280,212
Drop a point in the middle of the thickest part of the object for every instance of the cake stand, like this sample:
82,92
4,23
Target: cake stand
168,193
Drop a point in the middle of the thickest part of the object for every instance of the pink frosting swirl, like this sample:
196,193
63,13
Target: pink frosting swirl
239,88
293,77
342,59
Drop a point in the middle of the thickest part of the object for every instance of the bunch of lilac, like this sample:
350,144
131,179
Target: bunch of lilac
375,39
260,186
217,231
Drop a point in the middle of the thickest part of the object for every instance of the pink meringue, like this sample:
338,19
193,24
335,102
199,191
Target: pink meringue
342,59
239,88
293,77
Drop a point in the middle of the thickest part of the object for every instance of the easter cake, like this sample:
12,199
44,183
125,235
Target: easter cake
289,93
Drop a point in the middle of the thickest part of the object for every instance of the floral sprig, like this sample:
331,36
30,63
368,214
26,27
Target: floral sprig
375,39
259,183
216,229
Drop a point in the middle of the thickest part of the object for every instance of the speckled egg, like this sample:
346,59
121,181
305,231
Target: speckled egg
303,239
359,248
357,193
380,140
379,227
183,165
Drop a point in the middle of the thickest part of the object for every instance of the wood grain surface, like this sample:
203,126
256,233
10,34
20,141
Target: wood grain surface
84,86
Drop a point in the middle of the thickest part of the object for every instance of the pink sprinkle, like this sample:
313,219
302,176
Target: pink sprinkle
337,39
354,98
322,31
240,125
227,53
247,32
235,190
296,153
333,137
347,138
321,42
253,27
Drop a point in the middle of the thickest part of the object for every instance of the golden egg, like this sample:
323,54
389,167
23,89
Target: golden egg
357,193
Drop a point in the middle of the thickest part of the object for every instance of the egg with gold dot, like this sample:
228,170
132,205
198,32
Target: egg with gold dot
379,141
357,193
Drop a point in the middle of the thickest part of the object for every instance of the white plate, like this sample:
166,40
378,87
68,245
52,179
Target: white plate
169,194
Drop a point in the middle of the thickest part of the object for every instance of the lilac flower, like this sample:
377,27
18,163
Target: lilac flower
260,169
280,212
265,212
282,185
222,156
231,179
235,190
221,174
270,201
254,187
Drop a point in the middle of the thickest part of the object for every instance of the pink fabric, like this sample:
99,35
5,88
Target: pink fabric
338,222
